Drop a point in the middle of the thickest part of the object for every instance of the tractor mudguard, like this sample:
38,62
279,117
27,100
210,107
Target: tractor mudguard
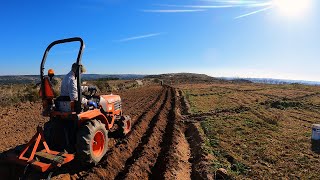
94,114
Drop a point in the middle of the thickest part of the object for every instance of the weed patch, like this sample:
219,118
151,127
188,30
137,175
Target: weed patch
285,104
239,168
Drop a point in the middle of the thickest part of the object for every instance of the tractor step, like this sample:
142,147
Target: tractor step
55,159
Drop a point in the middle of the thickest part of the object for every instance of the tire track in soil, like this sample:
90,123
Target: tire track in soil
139,165
116,158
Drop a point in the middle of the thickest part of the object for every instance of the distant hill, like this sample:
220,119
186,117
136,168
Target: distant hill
19,79
168,78
119,76
273,81
26,79
184,78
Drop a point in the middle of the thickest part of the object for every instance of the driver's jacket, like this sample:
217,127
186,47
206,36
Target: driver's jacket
69,87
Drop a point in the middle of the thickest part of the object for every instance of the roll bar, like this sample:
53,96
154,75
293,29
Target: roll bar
68,40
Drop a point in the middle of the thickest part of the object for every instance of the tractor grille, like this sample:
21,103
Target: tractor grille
117,105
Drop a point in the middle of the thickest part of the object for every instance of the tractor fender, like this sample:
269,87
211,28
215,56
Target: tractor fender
93,114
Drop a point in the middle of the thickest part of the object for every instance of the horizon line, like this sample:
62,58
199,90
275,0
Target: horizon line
234,77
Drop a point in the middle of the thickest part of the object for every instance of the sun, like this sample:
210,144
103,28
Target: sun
292,8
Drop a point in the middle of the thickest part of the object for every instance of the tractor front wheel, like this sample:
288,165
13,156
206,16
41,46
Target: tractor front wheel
92,142
124,125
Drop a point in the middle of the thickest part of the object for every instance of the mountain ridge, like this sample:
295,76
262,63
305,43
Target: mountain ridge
182,77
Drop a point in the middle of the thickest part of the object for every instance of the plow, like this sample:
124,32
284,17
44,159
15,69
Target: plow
75,131
37,155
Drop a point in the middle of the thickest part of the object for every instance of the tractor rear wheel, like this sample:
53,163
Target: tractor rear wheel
92,142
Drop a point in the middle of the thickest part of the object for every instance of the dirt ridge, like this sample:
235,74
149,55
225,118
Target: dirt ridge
115,159
158,170
137,153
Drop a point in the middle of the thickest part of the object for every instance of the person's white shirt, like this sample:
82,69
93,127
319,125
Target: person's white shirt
69,87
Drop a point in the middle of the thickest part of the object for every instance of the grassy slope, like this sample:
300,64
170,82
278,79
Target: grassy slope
259,130
10,95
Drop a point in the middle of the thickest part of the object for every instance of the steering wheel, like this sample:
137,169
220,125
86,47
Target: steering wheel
92,92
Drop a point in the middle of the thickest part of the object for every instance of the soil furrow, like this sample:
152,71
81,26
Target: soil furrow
173,161
137,120
177,158
161,163
145,154
140,118
134,104
141,105
116,158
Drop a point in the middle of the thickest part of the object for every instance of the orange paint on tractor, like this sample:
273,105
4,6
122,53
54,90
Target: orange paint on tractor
48,91
54,158
111,104
93,114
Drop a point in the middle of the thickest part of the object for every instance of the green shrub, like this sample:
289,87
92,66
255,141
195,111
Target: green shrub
284,104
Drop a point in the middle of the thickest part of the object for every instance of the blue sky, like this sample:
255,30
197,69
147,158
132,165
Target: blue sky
238,38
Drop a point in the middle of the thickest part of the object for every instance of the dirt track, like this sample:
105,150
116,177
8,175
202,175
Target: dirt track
157,147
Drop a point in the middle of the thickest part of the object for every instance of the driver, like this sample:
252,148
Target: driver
69,85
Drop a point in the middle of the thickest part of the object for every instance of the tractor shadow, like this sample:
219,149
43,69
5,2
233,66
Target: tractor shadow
9,169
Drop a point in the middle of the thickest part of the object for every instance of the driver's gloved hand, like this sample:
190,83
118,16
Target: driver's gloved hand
92,88
92,103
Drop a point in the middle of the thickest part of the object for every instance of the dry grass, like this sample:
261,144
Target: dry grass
270,138
12,94
113,86
16,93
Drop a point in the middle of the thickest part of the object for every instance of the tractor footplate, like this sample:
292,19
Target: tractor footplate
55,159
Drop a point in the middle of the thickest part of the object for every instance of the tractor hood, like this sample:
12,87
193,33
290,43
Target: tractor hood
110,102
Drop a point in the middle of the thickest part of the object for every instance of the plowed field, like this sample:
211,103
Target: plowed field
158,147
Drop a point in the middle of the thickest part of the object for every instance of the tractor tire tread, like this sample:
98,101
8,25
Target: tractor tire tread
84,136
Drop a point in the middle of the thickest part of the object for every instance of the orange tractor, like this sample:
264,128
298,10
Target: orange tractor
74,130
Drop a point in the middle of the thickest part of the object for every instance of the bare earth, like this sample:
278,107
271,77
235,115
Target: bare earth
159,146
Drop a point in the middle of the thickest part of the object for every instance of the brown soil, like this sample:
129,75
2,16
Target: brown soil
156,148
18,124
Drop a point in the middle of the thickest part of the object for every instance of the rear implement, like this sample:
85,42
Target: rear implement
36,154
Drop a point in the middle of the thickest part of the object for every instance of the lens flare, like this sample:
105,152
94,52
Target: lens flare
291,8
